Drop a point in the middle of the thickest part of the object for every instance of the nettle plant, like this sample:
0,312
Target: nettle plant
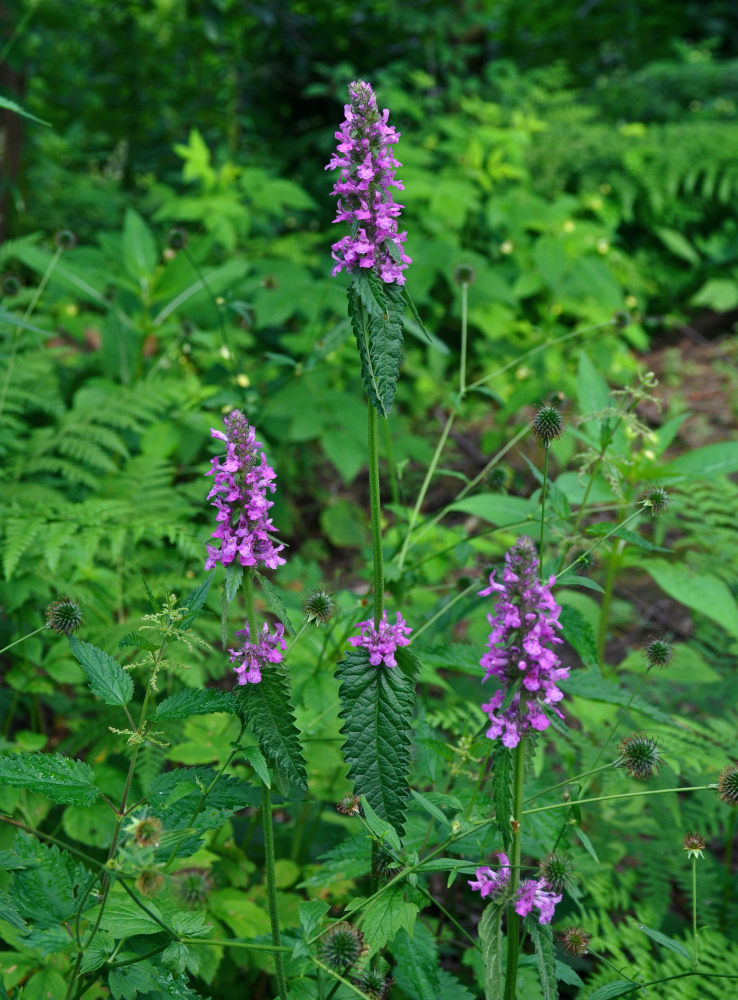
465,840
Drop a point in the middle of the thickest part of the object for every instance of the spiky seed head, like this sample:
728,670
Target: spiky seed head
10,285
193,885
65,239
575,940
342,946
64,615
547,424
177,238
319,606
658,653
374,984
657,499
386,865
694,845
148,831
465,274
499,477
149,882
639,756
622,318
728,784
557,870
349,805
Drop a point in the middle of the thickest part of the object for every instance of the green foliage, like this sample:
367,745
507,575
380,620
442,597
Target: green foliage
376,310
60,778
267,710
108,680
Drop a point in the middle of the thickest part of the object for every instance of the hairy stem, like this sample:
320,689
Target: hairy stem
543,511
376,517
271,881
513,920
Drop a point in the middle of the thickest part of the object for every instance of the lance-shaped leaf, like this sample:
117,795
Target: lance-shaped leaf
490,938
108,680
377,708
376,313
52,774
267,709
502,769
542,936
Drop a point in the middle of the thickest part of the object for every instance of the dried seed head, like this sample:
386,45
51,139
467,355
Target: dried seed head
547,424
694,845
728,784
148,832
349,805
342,946
557,871
64,615
639,756
658,653
575,940
464,274
319,606
374,984
193,885
149,882
657,499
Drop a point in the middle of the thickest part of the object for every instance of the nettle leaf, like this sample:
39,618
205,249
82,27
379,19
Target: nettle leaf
416,963
194,701
502,795
579,633
268,710
311,915
195,601
108,680
10,914
376,313
490,938
48,890
275,602
377,706
611,990
52,774
542,936
387,914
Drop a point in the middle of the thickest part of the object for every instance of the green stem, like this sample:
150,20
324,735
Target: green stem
376,517
390,456
271,882
464,331
599,541
694,913
457,597
612,569
622,795
568,781
543,511
23,638
728,866
513,920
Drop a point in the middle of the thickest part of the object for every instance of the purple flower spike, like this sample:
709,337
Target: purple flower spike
523,627
364,155
383,642
491,883
242,480
535,892
253,656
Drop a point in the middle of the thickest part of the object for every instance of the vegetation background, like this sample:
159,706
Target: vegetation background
583,157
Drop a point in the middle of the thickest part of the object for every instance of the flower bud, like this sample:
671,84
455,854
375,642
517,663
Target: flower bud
464,274
65,239
10,285
575,940
547,424
177,238
64,615
658,653
342,946
728,784
694,845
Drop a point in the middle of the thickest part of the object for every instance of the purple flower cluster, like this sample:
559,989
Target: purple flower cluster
382,642
242,480
531,893
252,656
523,626
367,164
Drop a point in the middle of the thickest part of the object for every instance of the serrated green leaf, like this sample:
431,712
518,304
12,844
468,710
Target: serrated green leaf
579,633
267,709
275,602
611,990
667,942
381,829
542,936
385,916
449,987
48,889
592,685
195,601
58,777
497,508
123,917
196,701
255,757
108,680
376,312
416,963
377,706
719,459
502,795
311,914
10,914
490,938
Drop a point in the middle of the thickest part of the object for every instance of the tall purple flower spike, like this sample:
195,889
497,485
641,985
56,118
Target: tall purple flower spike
364,155
242,480
523,627
383,642
253,656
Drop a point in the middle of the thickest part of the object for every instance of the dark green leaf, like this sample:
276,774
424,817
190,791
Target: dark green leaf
578,633
377,708
416,963
9,105
591,684
311,914
275,602
137,641
667,942
195,701
415,314
611,990
195,601
502,796
387,914
10,915
48,890
542,936
490,938
381,829
376,311
267,709
108,680
60,778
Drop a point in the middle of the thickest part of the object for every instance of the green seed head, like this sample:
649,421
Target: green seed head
374,984
65,239
193,885
464,274
64,615
342,946
728,784
557,870
319,607
658,653
349,805
547,424
177,238
657,499
639,756
575,940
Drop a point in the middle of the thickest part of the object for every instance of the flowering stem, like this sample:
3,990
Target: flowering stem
569,781
23,638
543,511
513,920
599,542
464,330
621,795
271,881
376,517
248,596
694,912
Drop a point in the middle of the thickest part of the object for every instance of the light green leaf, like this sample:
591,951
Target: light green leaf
699,591
416,963
667,942
593,391
108,680
311,914
679,245
140,254
18,110
377,706
542,936
490,937
124,918
385,916
719,459
579,633
195,701
611,990
381,829
497,508
720,294
58,777
275,601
